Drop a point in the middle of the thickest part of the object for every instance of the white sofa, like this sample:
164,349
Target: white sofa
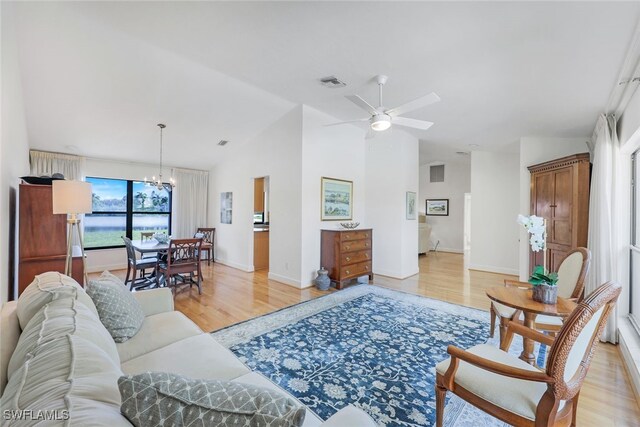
167,341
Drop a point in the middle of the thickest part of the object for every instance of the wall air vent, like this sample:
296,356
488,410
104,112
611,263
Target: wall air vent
332,82
436,173
223,142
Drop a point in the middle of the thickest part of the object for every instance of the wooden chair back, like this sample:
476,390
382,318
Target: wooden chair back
573,348
207,234
573,272
184,255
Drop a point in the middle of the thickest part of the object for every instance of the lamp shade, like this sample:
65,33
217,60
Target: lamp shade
71,197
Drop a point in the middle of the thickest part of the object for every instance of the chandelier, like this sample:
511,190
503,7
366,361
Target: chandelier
158,182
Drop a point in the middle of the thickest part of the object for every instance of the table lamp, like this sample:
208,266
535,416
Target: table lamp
72,198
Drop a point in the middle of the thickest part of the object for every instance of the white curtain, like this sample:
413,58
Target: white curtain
46,163
602,218
190,201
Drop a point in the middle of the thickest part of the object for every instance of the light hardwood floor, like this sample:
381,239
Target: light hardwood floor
230,296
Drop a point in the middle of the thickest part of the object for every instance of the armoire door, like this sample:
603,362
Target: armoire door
559,229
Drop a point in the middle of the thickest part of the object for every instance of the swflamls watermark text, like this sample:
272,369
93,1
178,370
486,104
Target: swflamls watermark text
35,415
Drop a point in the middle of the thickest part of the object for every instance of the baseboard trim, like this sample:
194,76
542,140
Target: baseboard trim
494,269
101,268
449,250
242,267
285,280
393,275
630,343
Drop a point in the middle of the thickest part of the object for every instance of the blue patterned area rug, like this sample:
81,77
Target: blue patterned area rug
368,346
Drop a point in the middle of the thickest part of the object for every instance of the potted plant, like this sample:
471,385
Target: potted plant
545,289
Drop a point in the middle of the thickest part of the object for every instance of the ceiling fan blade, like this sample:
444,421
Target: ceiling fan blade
411,123
348,121
423,101
362,104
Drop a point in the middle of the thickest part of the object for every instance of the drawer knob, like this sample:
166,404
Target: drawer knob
366,244
366,234
348,258
366,267
347,247
366,255
346,236
348,272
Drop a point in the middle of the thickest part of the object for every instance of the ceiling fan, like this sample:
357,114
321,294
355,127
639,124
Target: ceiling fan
382,118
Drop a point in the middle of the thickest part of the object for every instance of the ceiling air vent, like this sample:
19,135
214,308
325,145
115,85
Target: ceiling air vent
332,82
436,173
223,142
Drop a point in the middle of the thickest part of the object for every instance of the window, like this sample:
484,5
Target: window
436,173
124,208
634,299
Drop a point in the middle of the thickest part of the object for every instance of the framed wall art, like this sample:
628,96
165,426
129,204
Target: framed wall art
437,207
410,205
336,199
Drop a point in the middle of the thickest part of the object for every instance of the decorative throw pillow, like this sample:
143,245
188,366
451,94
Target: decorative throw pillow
45,288
119,311
158,398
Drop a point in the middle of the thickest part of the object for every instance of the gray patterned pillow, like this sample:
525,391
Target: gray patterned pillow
158,398
119,311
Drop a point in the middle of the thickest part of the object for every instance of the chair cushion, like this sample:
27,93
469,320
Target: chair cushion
45,288
259,380
71,375
503,310
62,317
157,331
514,395
146,262
118,309
158,398
199,356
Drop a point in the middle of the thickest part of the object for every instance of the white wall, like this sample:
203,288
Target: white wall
494,210
392,170
629,122
334,152
276,152
14,151
449,230
534,151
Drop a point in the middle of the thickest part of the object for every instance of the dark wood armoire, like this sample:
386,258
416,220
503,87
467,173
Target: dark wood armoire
560,194
42,236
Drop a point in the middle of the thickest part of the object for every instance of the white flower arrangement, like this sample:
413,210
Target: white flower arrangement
537,228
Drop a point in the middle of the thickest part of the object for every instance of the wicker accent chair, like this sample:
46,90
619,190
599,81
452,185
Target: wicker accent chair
571,276
514,391
183,257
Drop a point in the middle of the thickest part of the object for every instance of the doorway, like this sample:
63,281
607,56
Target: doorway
261,223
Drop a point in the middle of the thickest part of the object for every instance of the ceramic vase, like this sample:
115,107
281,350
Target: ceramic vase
545,294
323,282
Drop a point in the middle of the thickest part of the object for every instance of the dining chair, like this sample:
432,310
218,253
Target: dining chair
517,393
208,235
134,265
183,257
571,276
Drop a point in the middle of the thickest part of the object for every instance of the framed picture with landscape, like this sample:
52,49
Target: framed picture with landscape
437,207
336,199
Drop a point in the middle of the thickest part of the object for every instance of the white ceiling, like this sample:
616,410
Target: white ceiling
100,75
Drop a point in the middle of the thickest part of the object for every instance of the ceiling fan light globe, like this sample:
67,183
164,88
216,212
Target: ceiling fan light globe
380,122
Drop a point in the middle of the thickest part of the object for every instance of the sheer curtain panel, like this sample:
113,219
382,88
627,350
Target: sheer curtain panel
46,163
190,201
603,228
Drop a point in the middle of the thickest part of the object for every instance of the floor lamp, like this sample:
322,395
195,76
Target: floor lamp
72,198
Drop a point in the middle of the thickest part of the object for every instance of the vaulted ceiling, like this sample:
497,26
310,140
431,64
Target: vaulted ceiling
98,76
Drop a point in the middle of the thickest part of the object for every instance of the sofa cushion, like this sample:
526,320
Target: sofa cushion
259,380
9,337
119,311
158,398
157,331
45,288
56,319
71,375
199,356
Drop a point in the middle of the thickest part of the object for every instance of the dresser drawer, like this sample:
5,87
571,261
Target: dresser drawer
355,270
346,236
355,245
355,257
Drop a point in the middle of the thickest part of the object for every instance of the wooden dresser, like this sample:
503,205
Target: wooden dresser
346,254
560,194
43,237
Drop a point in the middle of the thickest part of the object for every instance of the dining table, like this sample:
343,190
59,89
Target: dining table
150,246
522,299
